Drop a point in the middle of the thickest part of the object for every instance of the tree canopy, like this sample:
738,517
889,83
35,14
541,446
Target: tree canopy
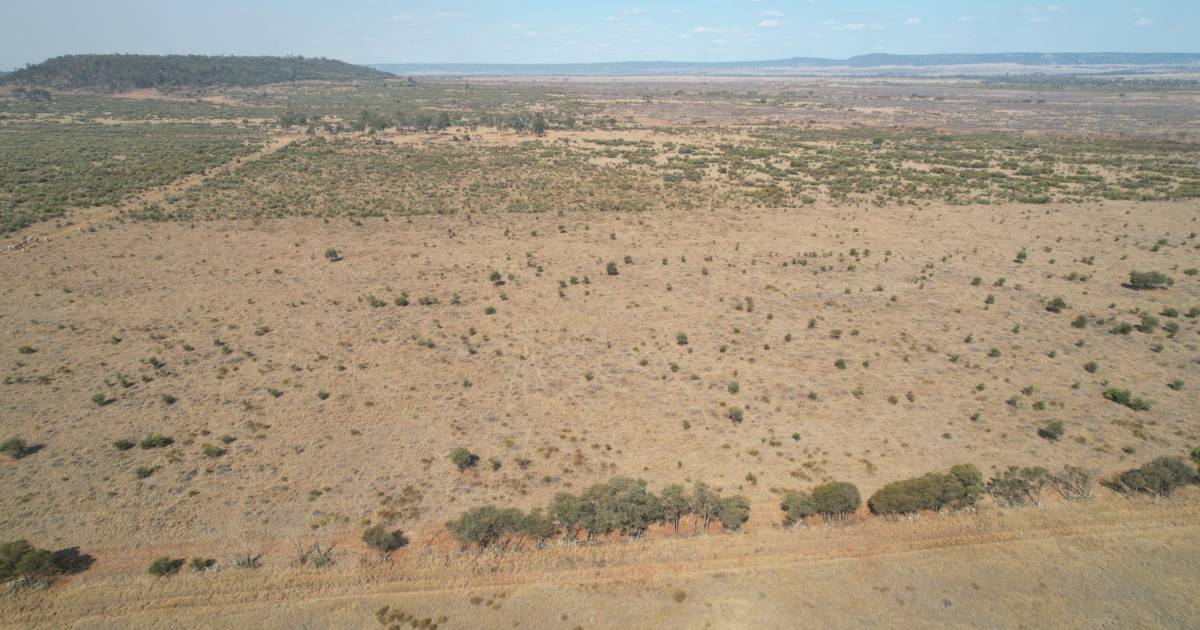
125,72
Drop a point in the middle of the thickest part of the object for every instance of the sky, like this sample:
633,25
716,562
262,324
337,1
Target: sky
541,31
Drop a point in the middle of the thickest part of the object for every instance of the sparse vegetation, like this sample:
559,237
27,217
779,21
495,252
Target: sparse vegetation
960,488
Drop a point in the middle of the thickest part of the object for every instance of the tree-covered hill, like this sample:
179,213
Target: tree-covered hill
124,72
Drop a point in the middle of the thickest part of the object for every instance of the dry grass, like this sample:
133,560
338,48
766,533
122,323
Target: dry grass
305,403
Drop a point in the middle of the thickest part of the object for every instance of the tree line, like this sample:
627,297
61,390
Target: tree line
125,72
624,506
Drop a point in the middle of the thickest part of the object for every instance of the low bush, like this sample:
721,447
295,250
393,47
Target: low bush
833,501
1018,486
383,540
163,566
733,512
1052,431
1142,280
154,440
1159,477
16,448
463,458
19,559
1124,397
1074,483
960,488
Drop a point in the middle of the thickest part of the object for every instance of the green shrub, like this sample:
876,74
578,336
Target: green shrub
1142,280
1091,367
736,415
382,539
733,512
1018,486
1159,477
1123,328
485,526
960,488
1080,321
1056,305
15,448
200,564
163,566
463,458
19,559
154,440
1074,483
611,268
835,500
212,452
681,339
332,255
123,445
1124,397
1052,431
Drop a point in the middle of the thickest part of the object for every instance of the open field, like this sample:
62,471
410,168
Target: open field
760,285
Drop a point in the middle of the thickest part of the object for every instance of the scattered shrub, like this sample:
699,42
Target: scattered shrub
463,458
611,268
19,559
1142,280
163,566
1159,477
1052,431
1074,483
733,512
835,500
383,540
1018,486
1056,305
16,448
1124,397
154,440
960,488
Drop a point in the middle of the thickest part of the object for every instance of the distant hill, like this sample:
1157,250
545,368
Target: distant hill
124,72
878,62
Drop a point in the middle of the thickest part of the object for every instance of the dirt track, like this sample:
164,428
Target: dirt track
893,566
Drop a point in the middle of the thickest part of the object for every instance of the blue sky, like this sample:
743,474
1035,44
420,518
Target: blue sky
538,31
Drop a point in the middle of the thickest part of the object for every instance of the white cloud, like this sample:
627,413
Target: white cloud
858,27
624,15
912,20
771,13
769,24
452,15
966,18
1143,22
706,29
